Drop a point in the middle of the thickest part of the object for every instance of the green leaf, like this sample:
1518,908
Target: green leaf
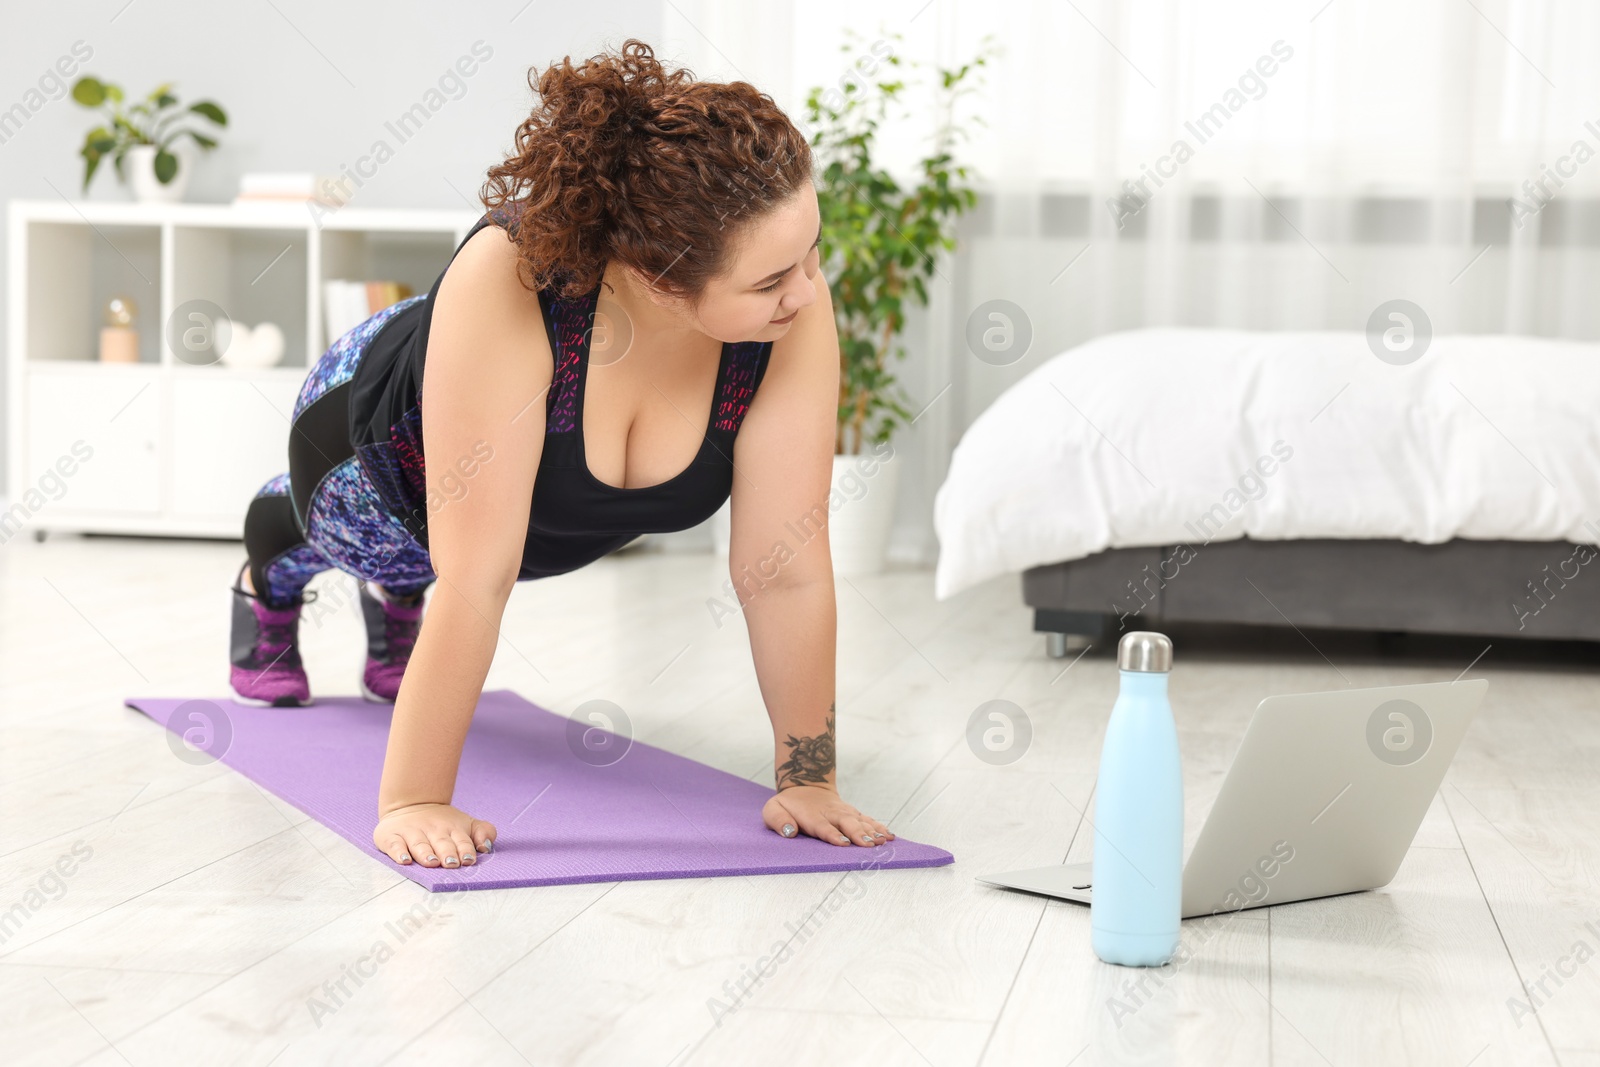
210,111
199,138
88,91
166,166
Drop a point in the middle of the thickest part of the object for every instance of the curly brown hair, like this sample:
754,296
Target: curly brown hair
624,158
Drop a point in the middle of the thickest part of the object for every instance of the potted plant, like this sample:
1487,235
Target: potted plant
879,242
881,237
145,133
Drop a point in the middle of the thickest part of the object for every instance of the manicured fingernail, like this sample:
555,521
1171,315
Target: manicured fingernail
451,861
487,846
876,834
433,859
845,839
469,859
788,829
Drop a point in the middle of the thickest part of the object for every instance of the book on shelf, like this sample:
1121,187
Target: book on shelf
347,303
287,187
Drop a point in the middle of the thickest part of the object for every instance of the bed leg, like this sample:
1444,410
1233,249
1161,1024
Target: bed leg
1067,631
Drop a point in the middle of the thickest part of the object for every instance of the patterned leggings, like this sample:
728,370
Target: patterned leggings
324,513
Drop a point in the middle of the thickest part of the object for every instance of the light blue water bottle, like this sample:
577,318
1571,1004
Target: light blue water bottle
1137,900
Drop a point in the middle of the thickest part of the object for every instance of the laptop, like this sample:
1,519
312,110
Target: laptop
1324,797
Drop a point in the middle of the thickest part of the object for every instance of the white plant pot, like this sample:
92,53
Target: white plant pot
860,507
147,188
722,528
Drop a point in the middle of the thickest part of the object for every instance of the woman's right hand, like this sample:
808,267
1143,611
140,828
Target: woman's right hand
434,835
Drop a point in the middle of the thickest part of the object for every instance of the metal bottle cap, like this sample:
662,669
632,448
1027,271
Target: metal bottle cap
1144,650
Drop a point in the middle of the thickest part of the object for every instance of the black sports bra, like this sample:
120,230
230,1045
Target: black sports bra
575,518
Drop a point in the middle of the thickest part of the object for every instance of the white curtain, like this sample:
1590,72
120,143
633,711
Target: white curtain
1301,163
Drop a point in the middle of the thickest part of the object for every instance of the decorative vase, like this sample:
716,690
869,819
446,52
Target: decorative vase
142,180
255,349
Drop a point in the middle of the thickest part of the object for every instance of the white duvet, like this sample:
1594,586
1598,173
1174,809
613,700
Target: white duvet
1168,436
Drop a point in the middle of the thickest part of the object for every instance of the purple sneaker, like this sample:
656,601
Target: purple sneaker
264,652
392,626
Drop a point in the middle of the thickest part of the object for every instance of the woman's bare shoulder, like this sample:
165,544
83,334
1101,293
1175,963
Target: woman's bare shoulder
484,312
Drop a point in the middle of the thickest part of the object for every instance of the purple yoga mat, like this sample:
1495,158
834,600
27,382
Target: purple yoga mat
571,803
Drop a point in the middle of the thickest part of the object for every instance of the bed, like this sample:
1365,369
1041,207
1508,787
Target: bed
1289,479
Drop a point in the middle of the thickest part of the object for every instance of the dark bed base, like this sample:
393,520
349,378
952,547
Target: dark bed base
1538,589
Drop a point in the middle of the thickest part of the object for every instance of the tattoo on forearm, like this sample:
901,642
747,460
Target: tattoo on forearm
810,759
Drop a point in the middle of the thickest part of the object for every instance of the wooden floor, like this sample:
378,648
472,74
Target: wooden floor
204,920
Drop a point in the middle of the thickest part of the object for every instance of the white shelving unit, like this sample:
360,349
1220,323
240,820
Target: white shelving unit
178,449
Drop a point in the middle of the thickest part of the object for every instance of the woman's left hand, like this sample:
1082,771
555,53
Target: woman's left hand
818,812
